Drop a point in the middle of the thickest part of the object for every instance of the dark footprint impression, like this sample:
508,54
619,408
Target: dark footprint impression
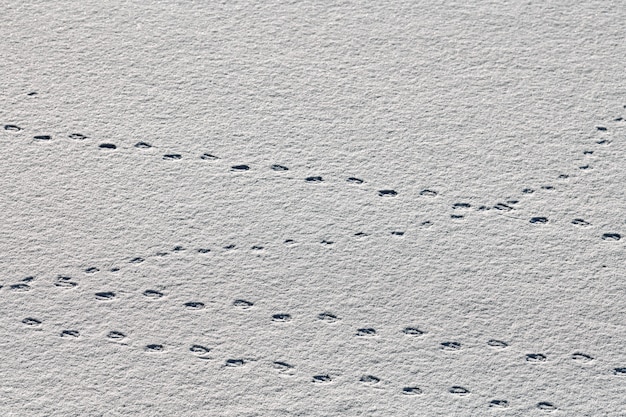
611,236
105,296
387,193
411,391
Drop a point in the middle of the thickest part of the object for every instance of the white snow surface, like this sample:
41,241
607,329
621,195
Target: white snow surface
298,208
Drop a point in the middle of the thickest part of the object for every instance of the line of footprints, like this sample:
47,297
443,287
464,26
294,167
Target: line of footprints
459,209
202,352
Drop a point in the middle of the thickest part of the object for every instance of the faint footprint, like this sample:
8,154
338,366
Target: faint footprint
544,405
354,180
92,270
611,236
457,390
387,193
243,304
314,179
456,206
580,222
281,317
322,379
143,145
450,346
42,137
412,331
77,136
65,282
539,220
194,305
499,404
283,367
239,168
105,296
328,317
582,357
619,371
115,335
411,391
154,348
70,333
136,260
234,362
208,156
369,379
365,332
20,287
29,321
172,156
107,146
497,343
204,250
428,193
277,167
12,128
536,357
503,207
200,351
154,294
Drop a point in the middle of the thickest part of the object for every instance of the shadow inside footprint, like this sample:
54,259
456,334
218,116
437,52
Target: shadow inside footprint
243,304
194,305
354,180
154,294
499,404
387,193
154,348
105,296
321,379
411,390
544,405
412,331
369,379
457,390
365,332
240,168
281,317
497,343
536,357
